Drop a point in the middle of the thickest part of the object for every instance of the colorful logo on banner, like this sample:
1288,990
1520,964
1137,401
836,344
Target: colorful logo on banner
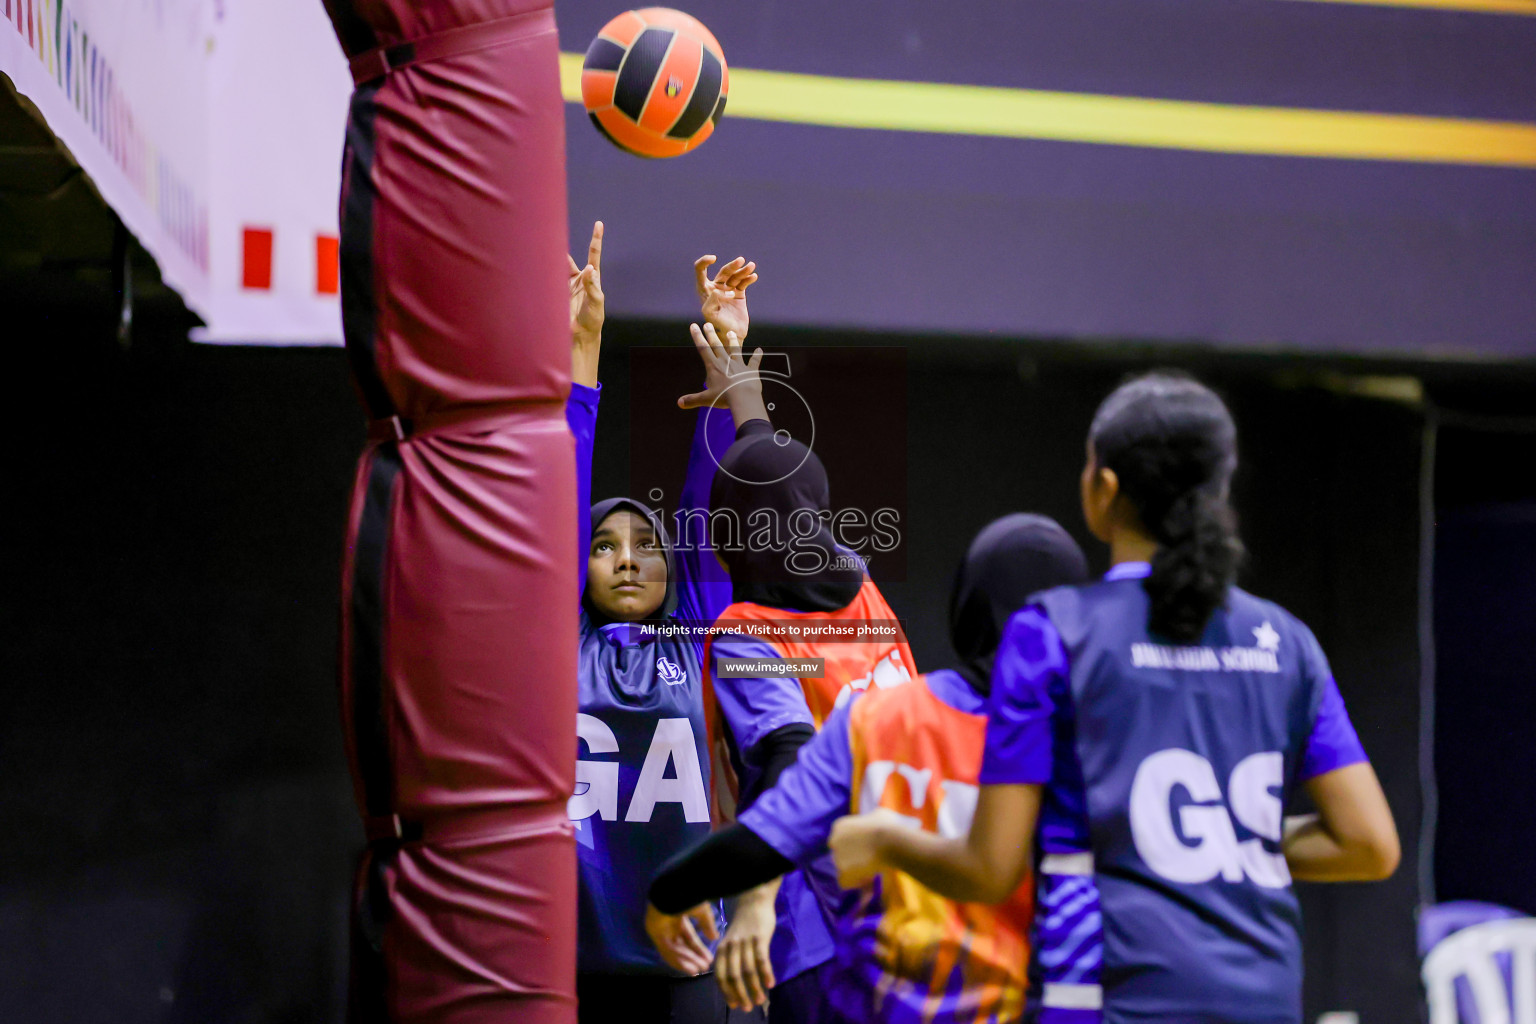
1479,963
75,62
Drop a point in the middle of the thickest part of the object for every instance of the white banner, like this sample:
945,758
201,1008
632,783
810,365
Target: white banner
278,94
214,129
123,85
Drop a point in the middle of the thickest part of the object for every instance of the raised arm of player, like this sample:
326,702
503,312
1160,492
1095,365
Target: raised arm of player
985,867
703,586
581,406
587,311
1352,838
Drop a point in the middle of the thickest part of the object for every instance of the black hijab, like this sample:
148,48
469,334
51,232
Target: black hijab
768,472
1010,559
602,510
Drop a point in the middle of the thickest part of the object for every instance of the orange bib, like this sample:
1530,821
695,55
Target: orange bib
861,644
918,757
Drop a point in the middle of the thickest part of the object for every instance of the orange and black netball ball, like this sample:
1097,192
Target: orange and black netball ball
654,82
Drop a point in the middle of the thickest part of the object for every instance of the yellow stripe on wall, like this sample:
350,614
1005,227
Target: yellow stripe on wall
948,109
1526,7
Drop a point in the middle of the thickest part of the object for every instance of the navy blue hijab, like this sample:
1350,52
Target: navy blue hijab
769,473
1010,559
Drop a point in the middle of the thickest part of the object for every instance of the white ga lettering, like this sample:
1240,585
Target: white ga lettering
673,743
955,811
601,778
1209,846
888,672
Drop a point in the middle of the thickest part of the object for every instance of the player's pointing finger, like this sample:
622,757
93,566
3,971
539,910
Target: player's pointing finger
595,247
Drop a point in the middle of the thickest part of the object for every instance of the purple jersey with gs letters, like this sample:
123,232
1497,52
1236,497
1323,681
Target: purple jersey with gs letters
1163,892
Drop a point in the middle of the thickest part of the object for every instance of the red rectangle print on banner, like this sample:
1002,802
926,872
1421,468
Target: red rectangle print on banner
327,264
256,263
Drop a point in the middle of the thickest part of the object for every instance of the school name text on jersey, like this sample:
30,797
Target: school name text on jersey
1204,659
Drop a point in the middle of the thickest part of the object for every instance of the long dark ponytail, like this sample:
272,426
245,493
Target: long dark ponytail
1172,444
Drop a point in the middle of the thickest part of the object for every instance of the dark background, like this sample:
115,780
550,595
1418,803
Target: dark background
847,402
177,822
1485,631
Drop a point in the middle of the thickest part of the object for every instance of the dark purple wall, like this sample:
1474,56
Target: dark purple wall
1024,238
1485,705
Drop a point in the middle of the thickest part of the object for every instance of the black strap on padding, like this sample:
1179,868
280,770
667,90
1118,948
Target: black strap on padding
359,301
370,563
356,35
368,971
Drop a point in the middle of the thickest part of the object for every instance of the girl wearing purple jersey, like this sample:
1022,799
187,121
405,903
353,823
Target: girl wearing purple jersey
1145,733
643,766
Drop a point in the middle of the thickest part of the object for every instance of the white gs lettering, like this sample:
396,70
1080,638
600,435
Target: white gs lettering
597,782
1256,804
1213,848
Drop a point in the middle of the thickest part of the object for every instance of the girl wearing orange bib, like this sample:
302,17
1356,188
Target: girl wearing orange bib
904,953
798,597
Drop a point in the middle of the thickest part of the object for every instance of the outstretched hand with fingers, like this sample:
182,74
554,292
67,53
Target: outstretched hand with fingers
587,310
678,940
587,287
727,377
723,301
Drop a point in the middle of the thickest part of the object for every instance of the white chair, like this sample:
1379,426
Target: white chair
1470,954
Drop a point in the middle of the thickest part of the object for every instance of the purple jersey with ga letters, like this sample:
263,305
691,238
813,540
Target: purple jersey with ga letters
642,772
1166,770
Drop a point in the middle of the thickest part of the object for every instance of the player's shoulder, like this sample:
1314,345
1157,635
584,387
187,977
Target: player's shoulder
1243,605
1031,623
1270,624
934,705
1032,648
1068,613
869,603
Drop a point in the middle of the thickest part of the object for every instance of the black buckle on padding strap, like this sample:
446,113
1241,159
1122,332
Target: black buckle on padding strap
379,62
